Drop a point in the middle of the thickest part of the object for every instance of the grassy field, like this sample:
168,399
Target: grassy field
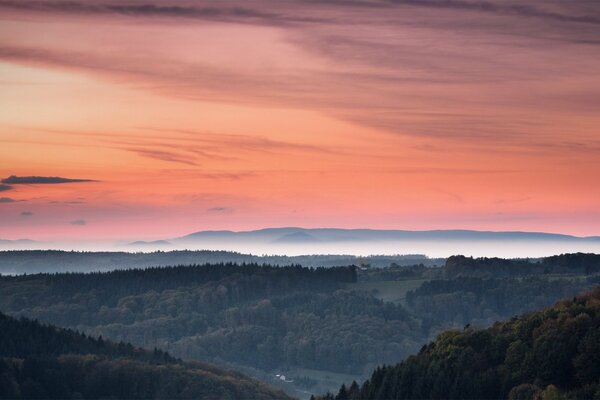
392,291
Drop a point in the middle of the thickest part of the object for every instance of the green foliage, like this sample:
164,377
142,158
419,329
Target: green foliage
268,318
550,354
40,361
52,261
253,315
481,301
561,264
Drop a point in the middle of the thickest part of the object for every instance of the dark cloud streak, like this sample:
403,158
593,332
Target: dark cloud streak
40,180
242,14
224,14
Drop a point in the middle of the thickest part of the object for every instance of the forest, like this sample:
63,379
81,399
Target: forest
306,322
17,262
549,354
44,362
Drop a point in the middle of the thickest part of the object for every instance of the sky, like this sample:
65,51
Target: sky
156,118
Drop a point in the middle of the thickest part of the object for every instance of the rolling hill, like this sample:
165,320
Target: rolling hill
548,354
42,361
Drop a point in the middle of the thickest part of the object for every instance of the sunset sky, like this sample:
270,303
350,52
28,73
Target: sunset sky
165,117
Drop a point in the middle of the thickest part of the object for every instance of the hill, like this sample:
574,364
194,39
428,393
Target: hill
549,354
439,243
37,261
354,235
319,327
42,361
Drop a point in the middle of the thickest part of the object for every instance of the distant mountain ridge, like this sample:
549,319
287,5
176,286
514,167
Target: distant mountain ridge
296,241
17,241
150,243
293,234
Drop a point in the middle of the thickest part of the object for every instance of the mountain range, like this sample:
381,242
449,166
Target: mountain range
294,241
316,235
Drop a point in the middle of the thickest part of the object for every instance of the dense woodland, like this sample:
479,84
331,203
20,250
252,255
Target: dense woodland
17,262
275,319
248,314
576,263
549,354
44,362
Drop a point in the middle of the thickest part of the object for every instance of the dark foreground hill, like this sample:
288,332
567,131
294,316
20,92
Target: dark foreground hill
550,354
42,361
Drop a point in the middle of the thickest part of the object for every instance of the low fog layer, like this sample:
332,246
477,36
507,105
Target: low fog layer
431,248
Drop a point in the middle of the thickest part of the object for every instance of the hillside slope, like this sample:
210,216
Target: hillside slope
553,353
42,361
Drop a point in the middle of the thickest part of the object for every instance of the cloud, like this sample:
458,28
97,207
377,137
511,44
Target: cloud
20,180
222,210
223,143
291,12
235,13
162,155
79,222
6,200
4,188
26,214
451,195
502,8
226,175
427,68
513,200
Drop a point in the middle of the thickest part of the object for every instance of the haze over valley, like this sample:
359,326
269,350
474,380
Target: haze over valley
356,242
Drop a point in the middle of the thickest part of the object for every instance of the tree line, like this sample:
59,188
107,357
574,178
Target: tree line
549,354
44,362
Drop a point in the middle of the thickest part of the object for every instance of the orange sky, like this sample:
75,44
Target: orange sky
191,115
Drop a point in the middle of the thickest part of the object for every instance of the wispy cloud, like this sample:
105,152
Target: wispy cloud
162,155
522,9
513,200
80,222
455,197
6,200
4,188
404,73
225,175
280,14
220,210
26,214
235,12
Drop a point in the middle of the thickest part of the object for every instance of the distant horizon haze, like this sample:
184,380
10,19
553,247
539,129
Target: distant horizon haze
294,241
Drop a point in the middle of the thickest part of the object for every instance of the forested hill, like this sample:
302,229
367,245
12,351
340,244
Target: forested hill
550,354
247,278
42,361
38,261
320,327
574,263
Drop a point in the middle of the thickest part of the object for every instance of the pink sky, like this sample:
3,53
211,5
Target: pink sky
192,115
